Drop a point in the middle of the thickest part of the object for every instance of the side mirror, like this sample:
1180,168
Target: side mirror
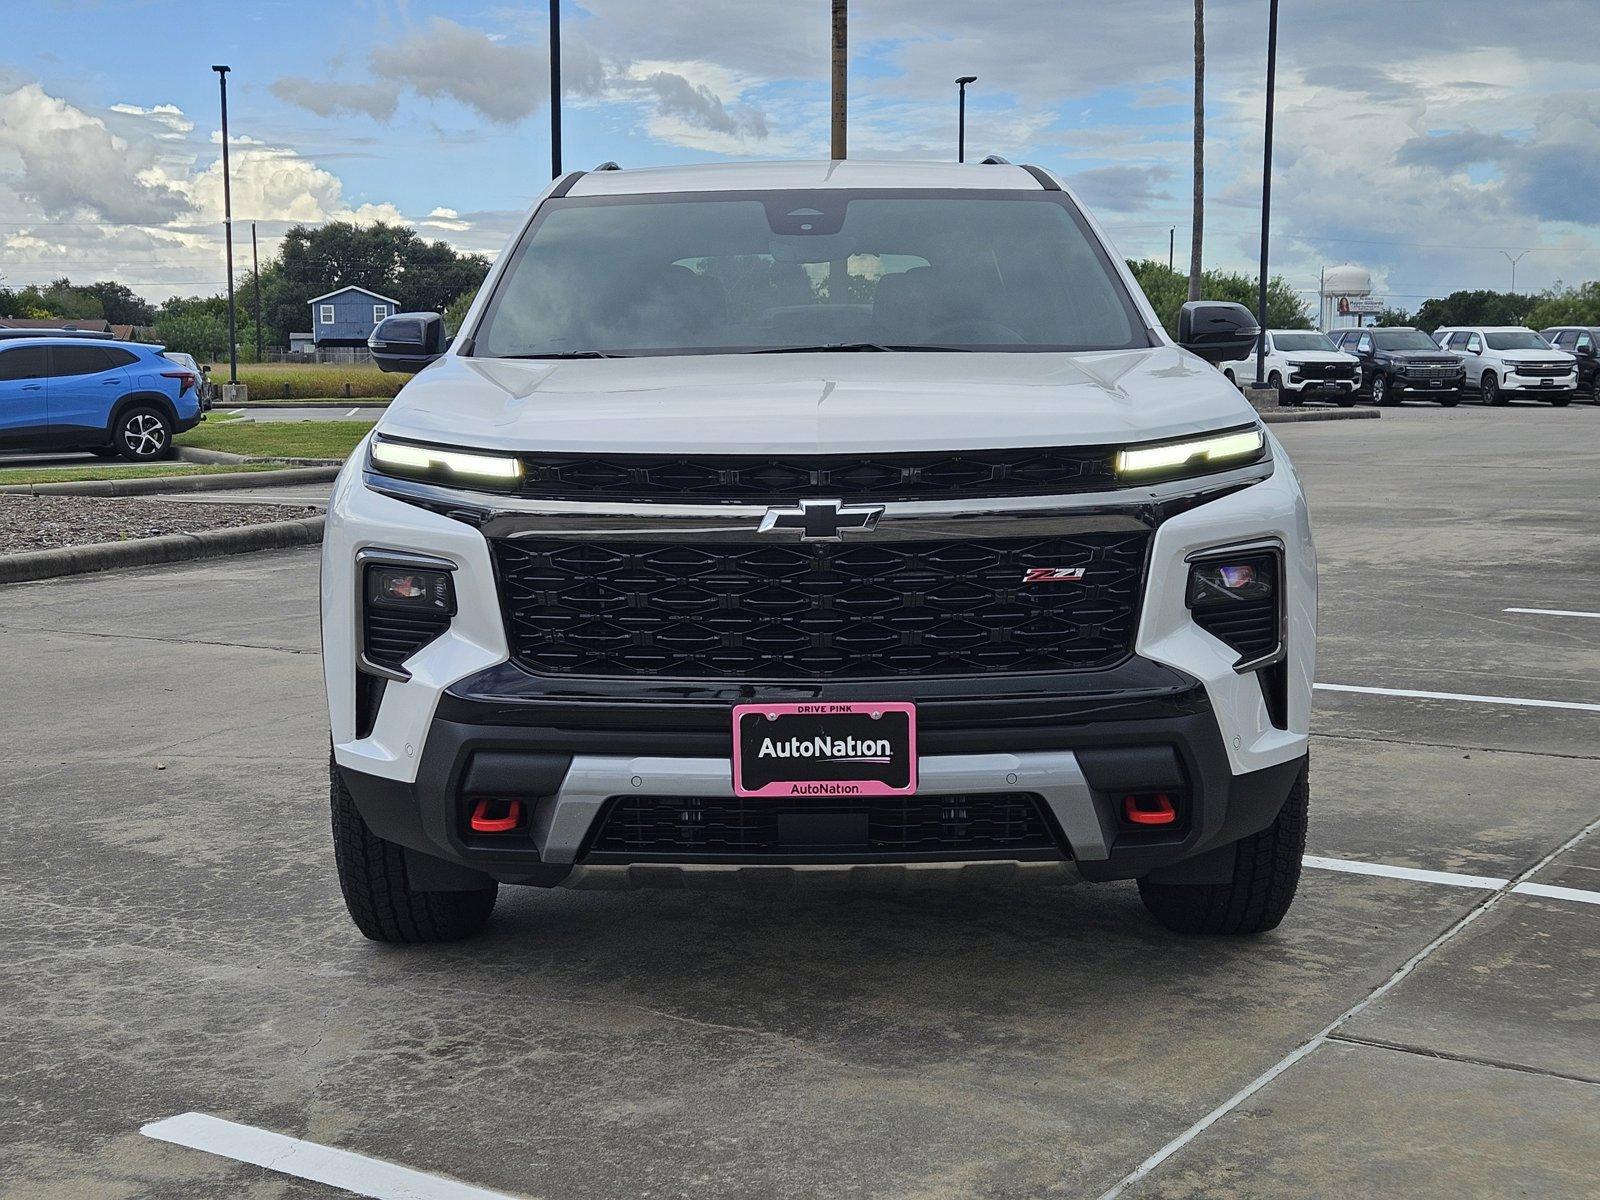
408,341
1217,331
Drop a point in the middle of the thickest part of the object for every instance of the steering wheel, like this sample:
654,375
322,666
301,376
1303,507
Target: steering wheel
976,331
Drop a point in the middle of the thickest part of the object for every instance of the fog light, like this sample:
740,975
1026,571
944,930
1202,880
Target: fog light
1229,581
408,589
1234,597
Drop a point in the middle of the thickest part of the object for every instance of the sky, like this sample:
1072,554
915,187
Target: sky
1417,138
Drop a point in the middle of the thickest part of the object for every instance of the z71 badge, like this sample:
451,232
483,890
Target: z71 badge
1053,575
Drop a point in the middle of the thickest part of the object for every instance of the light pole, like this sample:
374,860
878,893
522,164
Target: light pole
1513,262
227,226
555,88
961,117
255,271
1266,193
841,78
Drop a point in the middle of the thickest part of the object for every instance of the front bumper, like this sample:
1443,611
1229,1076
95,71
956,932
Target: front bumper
1513,382
1140,729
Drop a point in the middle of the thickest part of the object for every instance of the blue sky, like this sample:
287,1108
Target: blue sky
1417,138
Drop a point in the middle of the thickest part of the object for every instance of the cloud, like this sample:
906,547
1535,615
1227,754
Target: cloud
73,164
698,105
1122,188
503,81
376,100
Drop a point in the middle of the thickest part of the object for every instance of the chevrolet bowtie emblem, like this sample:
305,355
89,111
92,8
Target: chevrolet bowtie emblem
822,520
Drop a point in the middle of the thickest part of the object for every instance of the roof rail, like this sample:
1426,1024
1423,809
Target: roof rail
994,160
608,165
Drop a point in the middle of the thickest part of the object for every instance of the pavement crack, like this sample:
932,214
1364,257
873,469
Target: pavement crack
1367,737
1470,1059
176,641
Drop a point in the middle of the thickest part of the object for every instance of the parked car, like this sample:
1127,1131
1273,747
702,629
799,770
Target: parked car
1400,364
1583,343
963,560
1301,363
108,397
204,388
1503,361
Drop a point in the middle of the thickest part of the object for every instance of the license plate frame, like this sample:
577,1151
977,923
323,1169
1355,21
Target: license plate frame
796,765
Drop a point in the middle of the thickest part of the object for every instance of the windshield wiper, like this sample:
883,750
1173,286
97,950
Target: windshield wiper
568,354
855,348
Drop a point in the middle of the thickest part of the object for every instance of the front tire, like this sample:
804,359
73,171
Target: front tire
1561,401
143,434
1266,874
1491,390
372,876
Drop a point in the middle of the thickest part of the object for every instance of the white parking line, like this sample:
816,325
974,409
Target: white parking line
1552,612
352,412
307,1160
1321,1038
1351,866
1551,892
234,412
1464,697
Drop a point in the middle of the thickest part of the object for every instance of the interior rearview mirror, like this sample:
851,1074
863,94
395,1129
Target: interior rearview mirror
1216,330
408,341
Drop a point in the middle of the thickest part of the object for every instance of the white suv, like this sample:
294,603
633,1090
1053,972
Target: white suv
1504,360
1301,363
821,515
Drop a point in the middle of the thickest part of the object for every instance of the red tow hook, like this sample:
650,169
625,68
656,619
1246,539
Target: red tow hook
1149,810
484,822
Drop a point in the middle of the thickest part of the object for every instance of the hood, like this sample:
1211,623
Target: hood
1442,357
1317,356
815,403
1535,356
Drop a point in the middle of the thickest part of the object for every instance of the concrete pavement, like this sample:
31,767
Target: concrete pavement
174,934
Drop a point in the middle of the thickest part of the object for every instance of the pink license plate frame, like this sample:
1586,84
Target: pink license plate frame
837,722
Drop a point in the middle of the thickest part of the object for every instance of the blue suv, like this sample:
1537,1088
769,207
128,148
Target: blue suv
62,393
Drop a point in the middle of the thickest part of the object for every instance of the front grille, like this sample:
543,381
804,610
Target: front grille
823,611
1543,370
392,637
1326,371
1432,370
886,826
760,479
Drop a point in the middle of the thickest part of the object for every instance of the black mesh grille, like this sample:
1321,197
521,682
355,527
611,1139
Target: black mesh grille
1249,626
1326,371
392,637
879,825
936,475
819,611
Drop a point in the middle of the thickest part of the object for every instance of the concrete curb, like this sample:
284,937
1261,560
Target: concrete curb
1290,416
194,455
368,403
149,552
174,483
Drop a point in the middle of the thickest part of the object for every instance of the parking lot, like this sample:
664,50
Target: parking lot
175,941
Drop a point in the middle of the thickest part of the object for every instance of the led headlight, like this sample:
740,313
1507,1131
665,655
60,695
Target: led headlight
1234,448
443,464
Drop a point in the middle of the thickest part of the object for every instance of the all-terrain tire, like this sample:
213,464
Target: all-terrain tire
1266,873
372,876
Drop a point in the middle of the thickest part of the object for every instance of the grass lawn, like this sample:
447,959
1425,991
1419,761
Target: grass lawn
305,381
279,439
124,471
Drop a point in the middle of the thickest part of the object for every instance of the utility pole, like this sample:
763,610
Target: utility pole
255,270
1172,247
1197,224
1513,262
841,75
1266,192
555,88
961,117
227,226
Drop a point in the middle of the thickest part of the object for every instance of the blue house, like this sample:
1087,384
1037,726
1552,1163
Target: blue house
347,316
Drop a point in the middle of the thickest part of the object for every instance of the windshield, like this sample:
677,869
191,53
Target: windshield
1402,339
746,272
1301,341
1516,339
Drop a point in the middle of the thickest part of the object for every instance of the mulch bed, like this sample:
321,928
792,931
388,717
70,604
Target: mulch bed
46,522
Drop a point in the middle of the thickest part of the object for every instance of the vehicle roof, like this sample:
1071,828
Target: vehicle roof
803,176
69,340
1489,328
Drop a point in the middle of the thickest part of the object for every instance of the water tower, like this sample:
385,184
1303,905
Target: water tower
1346,297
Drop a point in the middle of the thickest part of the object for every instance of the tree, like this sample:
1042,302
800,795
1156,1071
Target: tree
119,304
1167,291
1562,305
1390,318
391,260
196,325
1482,307
1197,224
